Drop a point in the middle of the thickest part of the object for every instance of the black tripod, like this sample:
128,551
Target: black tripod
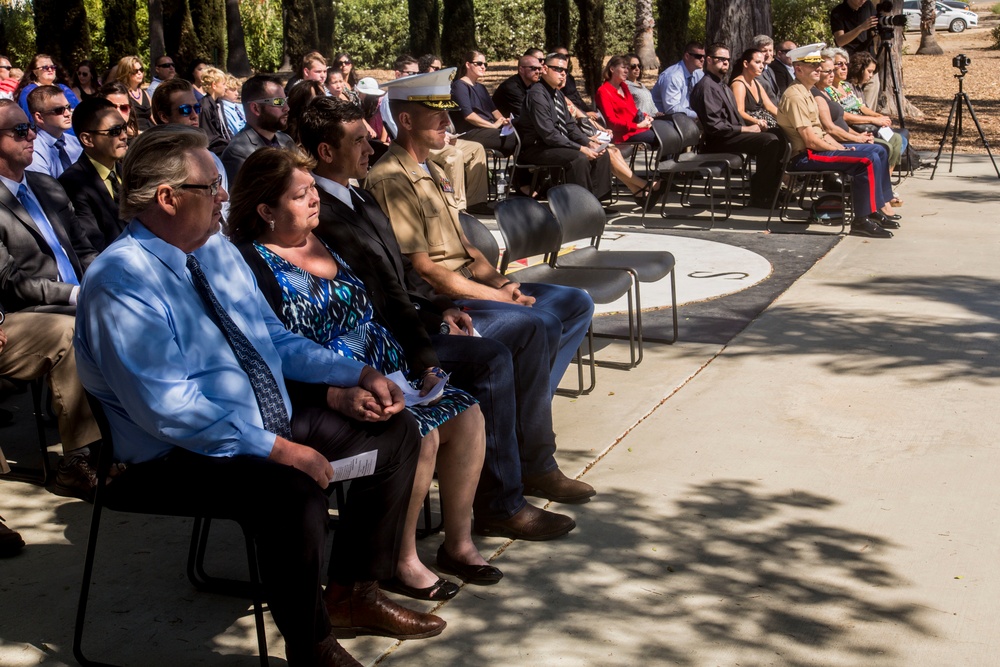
956,129
883,58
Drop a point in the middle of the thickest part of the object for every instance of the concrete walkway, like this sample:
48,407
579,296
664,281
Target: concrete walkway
822,491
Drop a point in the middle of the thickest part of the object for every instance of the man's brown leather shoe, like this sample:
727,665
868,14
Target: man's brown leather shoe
332,654
557,487
531,523
364,610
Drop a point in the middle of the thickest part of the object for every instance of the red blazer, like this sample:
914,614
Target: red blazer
618,111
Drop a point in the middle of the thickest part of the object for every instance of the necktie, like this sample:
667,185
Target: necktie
66,272
265,388
560,112
63,155
115,185
690,83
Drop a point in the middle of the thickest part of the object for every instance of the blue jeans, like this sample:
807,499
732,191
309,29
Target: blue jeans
565,312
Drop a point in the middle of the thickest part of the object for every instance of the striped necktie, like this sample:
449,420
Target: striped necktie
561,112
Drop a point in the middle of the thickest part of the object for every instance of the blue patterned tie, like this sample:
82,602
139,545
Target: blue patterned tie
265,388
67,273
63,155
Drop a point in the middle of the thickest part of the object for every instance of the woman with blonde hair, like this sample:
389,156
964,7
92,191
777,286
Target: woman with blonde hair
130,73
213,121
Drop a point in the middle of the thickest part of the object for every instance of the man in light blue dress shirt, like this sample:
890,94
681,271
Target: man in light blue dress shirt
672,90
56,149
176,340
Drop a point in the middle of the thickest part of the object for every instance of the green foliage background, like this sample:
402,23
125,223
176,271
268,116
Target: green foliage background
376,31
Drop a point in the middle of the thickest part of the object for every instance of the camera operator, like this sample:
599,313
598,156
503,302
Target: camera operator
854,24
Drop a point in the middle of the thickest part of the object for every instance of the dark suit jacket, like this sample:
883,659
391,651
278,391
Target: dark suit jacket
243,145
781,77
213,123
713,101
29,276
96,211
573,94
537,122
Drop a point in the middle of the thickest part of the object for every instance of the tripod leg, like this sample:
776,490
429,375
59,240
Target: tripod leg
982,136
944,137
957,130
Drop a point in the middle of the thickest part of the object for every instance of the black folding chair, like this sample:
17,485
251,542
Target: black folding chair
195,569
805,186
20,472
581,217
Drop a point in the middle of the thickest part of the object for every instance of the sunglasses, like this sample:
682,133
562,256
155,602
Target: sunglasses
186,109
58,111
840,65
826,72
46,68
697,56
432,68
83,74
721,60
167,65
21,130
271,101
532,68
479,63
124,108
213,187
341,63
111,131
7,67
556,68
138,70
635,66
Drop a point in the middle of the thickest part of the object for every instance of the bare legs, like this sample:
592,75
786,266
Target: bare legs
457,447
619,167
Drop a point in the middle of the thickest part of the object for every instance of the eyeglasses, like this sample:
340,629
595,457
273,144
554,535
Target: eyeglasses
58,111
186,109
634,66
409,73
166,65
124,108
138,70
46,68
271,101
479,63
213,187
432,68
7,67
718,59
341,63
113,131
21,129
556,68
840,65
532,68
826,72
697,56
83,74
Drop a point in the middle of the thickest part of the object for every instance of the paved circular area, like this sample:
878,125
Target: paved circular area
705,269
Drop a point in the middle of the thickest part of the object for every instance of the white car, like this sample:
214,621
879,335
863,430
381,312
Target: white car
948,18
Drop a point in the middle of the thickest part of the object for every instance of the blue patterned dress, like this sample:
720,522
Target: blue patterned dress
338,315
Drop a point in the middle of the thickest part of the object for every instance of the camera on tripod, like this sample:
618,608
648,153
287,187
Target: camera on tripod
961,62
887,21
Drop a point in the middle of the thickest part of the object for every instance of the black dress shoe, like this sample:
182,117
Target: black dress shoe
870,228
833,183
531,523
883,220
480,575
10,541
442,589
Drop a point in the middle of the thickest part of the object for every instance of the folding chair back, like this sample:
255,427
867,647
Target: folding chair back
480,237
579,213
528,229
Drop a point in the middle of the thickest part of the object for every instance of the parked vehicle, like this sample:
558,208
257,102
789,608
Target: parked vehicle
948,18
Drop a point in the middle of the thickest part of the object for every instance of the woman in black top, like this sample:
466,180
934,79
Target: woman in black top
477,117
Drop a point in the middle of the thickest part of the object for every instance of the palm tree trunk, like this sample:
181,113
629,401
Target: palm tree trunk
642,42
928,40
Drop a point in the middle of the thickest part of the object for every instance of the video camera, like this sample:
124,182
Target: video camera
887,21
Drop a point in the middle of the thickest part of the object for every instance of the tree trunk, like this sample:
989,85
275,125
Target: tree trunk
642,43
121,32
887,94
157,47
61,31
326,20
671,30
424,21
556,24
181,41
590,42
237,62
736,22
459,24
300,32
928,40
209,18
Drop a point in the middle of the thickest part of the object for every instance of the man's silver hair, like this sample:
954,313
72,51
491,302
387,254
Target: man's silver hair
159,156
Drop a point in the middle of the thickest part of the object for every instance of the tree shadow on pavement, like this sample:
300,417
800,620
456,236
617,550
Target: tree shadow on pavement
727,570
955,335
